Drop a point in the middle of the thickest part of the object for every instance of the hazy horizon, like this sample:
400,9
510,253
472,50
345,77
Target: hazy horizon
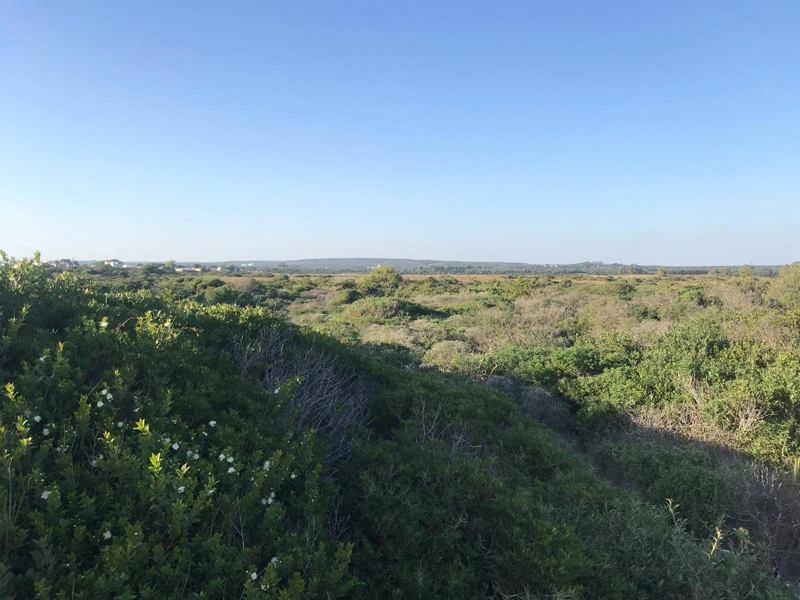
517,132
388,260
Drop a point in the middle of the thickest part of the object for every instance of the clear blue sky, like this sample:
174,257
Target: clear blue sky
636,131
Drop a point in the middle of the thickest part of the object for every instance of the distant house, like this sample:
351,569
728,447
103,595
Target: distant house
114,264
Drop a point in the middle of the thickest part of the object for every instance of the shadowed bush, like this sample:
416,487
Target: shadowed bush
345,296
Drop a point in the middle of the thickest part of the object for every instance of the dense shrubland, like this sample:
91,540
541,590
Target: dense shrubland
180,440
643,374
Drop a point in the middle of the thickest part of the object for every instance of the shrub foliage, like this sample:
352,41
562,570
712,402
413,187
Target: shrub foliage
159,444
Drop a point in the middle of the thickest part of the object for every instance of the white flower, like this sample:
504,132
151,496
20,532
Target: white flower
37,418
107,535
274,560
221,456
104,392
180,489
253,576
119,423
294,475
104,323
212,423
99,404
277,390
109,396
42,359
137,409
45,494
205,433
168,440
188,454
175,446
45,431
271,498
231,470
230,459
267,465
195,456
263,501
94,462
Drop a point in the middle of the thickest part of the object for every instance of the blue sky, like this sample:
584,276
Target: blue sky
647,132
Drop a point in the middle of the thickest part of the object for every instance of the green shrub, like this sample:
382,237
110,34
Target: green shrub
139,464
448,354
698,297
642,313
432,286
382,281
144,458
228,295
344,296
786,288
618,287
512,288
687,477
376,309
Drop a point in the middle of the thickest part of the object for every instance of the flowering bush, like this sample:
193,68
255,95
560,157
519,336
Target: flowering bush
139,464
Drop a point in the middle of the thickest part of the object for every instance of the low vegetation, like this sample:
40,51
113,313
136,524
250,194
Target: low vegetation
502,437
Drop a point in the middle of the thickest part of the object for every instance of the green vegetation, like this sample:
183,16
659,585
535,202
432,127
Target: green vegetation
383,281
167,436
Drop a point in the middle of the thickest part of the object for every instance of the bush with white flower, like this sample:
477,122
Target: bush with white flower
109,453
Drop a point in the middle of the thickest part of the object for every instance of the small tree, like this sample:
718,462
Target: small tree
746,271
662,272
632,269
786,288
383,281
151,268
